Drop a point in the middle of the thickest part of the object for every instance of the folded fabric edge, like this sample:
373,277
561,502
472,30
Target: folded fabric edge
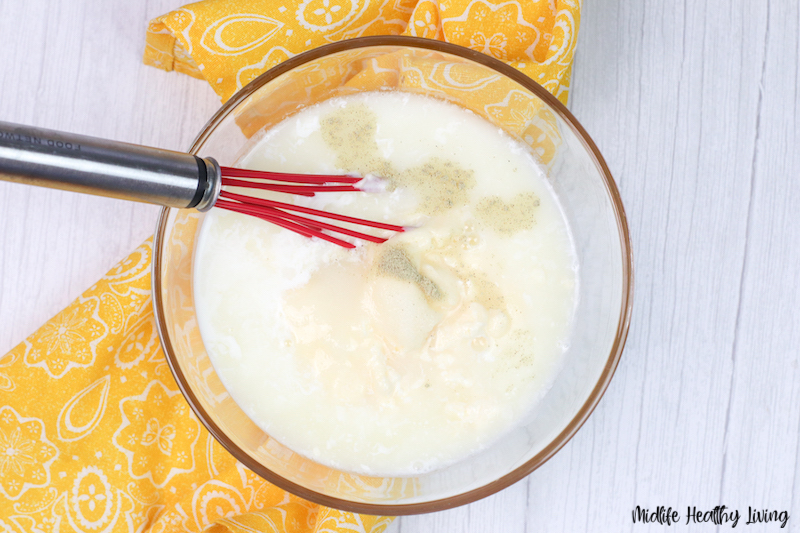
163,51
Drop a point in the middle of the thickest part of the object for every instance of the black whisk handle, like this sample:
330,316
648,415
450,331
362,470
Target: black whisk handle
57,160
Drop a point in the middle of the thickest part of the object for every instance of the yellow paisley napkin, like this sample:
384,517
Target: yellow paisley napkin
95,436
94,433
230,42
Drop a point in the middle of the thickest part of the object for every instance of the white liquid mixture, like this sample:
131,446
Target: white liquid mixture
404,357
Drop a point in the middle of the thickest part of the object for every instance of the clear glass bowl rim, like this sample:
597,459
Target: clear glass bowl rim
613,357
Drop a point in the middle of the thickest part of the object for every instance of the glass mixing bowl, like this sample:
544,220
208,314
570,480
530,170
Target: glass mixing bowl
589,199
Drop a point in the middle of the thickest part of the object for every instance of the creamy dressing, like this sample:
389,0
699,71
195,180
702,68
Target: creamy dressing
404,357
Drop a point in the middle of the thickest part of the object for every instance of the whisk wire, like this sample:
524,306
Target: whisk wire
310,211
304,190
286,176
303,185
306,228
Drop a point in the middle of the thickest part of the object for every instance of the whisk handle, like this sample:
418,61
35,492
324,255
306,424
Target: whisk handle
57,160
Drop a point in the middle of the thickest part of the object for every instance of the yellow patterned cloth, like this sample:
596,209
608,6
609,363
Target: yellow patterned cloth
94,433
96,437
230,42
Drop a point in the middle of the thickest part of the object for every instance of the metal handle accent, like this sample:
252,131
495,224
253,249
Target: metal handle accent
57,160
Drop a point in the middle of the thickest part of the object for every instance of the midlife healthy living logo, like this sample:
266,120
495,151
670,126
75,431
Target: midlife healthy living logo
719,515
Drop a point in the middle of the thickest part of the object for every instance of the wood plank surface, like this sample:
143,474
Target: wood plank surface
696,108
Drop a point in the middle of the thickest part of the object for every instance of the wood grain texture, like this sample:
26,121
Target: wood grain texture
76,66
696,107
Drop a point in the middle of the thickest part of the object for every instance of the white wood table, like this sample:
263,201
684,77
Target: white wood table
696,107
